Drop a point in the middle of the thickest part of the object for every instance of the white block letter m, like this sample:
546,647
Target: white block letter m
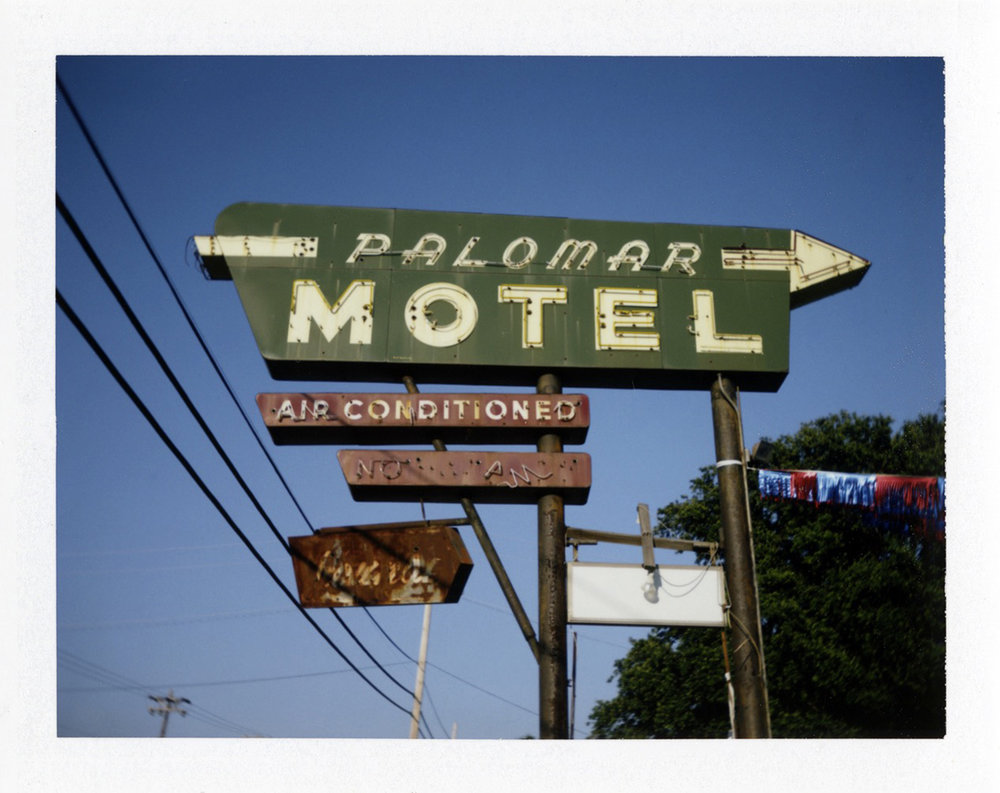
309,305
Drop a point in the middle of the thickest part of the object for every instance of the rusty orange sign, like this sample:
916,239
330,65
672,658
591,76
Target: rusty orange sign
489,477
298,418
358,566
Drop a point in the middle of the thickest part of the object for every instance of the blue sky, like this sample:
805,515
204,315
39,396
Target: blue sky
152,590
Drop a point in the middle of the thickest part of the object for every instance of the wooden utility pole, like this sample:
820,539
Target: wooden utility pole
421,666
749,685
167,705
552,678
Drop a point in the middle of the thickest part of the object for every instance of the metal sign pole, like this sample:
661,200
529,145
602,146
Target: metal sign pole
748,654
520,615
552,679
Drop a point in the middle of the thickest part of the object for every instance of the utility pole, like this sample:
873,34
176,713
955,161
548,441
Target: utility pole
552,680
418,694
166,706
572,701
749,685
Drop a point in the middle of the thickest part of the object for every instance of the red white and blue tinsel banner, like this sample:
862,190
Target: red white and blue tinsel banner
909,501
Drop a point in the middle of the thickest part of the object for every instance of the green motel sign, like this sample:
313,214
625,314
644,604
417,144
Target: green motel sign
354,294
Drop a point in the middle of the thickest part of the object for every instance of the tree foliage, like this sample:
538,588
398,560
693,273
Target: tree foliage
853,614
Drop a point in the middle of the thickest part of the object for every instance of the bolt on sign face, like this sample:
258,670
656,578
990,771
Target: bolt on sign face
363,566
487,477
344,293
405,418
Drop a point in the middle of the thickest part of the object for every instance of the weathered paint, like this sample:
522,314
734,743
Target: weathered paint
300,418
487,476
356,566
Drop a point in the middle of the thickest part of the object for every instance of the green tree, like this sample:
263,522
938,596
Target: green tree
853,614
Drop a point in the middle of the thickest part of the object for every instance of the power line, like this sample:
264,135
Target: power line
120,682
66,555
411,659
212,683
140,405
480,688
207,716
101,674
95,259
176,295
120,298
156,568
144,623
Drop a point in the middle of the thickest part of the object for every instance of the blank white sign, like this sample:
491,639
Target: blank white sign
616,594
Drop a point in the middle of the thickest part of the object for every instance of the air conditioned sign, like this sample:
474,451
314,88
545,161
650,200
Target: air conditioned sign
487,477
344,293
404,418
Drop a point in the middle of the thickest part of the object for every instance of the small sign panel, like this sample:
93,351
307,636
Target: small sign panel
628,594
354,566
299,418
489,477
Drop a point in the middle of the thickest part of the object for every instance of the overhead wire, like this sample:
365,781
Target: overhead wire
71,315
483,690
189,468
213,683
194,328
217,368
147,623
196,711
109,282
63,556
410,658
173,289
120,682
96,672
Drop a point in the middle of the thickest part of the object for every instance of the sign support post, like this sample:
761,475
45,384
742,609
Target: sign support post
748,681
520,615
552,679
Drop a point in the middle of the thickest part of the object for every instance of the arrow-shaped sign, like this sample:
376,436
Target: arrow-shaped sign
815,268
346,293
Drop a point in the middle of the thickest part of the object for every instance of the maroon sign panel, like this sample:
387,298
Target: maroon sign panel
410,418
357,566
489,477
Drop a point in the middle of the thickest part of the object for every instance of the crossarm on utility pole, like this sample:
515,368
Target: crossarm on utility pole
591,535
166,706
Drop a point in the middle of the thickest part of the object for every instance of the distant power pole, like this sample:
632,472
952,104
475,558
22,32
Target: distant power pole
167,705
421,666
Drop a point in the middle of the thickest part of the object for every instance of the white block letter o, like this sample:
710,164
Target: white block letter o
420,321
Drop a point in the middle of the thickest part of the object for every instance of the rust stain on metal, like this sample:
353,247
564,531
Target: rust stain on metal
352,566
489,477
313,418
